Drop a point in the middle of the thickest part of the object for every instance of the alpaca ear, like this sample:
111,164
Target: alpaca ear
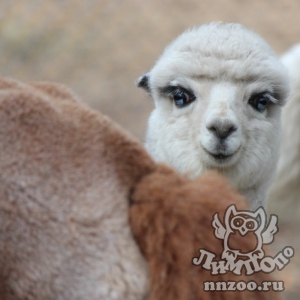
143,82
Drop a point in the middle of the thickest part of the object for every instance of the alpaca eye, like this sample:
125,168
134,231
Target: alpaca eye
182,98
259,101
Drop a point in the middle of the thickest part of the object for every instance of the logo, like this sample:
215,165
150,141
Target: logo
244,223
257,231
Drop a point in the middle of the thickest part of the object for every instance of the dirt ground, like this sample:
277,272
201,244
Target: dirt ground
100,47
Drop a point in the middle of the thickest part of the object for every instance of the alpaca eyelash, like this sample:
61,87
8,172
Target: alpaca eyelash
267,94
170,90
272,98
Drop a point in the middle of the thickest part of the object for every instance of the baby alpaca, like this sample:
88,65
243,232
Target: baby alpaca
171,219
218,91
66,173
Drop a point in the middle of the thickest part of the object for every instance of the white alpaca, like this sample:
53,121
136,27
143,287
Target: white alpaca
218,91
285,192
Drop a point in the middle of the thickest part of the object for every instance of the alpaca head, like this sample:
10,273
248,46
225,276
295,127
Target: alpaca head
218,91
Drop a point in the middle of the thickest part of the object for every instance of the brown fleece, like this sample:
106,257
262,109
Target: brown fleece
171,219
66,173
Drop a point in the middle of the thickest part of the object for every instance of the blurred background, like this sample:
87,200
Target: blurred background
100,47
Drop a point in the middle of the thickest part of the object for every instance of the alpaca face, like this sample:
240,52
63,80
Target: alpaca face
217,91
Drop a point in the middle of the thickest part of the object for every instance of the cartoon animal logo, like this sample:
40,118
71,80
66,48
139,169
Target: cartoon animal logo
244,223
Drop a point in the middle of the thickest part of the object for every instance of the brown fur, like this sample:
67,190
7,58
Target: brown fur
66,173
171,219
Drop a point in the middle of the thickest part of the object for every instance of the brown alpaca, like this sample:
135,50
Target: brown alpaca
171,219
66,173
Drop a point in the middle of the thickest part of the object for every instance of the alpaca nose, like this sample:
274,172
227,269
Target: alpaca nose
222,128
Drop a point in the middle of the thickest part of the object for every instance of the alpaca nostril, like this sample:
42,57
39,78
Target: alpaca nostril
212,128
231,129
222,130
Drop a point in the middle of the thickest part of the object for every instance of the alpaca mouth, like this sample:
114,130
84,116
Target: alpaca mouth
222,156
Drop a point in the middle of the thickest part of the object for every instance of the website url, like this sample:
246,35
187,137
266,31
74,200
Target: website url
277,286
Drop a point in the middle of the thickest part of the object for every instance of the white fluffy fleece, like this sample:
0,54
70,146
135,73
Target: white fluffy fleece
221,68
285,192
